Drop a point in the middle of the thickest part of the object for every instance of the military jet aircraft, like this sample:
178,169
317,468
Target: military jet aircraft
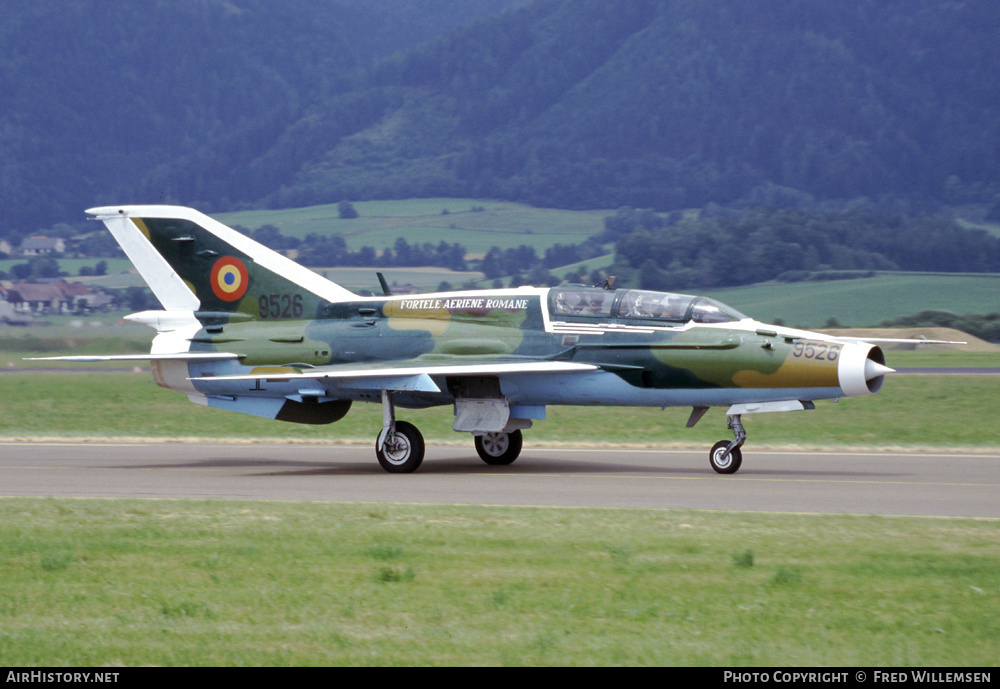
246,329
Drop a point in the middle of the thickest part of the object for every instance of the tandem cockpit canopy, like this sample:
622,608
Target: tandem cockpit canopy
578,302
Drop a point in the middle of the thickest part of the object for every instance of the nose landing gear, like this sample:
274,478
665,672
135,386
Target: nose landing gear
726,456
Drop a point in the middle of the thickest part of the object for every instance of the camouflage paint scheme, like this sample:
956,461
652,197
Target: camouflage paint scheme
248,330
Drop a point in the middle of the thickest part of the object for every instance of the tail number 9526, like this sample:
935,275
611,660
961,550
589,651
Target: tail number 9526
820,351
280,305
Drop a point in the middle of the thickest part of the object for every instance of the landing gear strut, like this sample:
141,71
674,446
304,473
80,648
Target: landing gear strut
400,447
726,457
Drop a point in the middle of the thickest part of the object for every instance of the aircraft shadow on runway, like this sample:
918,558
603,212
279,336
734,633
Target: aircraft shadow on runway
471,465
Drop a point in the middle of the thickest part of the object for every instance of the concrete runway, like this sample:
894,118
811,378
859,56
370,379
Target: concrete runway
864,483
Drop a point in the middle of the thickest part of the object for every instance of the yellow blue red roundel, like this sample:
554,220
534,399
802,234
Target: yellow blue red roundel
229,278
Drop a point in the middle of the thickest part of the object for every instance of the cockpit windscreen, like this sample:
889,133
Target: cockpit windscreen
576,302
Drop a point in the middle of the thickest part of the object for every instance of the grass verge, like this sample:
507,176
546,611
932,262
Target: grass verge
910,412
136,582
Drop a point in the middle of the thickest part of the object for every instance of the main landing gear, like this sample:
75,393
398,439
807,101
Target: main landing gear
726,456
400,446
498,449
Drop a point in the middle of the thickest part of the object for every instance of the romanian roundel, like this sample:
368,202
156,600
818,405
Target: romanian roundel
229,278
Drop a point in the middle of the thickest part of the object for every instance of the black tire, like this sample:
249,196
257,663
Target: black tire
404,452
729,465
498,449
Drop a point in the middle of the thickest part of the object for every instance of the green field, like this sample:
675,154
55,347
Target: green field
865,301
71,266
380,223
129,582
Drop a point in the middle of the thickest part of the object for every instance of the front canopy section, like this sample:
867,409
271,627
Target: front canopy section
575,302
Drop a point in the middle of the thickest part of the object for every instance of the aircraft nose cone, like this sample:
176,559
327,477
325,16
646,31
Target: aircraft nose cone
873,369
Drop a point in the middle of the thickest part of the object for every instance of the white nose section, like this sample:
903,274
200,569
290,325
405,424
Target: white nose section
859,370
873,369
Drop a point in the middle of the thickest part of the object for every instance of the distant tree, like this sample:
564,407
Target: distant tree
140,299
346,210
490,265
323,250
271,237
767,244
36,268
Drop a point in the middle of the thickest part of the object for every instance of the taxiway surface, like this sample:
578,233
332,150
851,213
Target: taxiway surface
843,482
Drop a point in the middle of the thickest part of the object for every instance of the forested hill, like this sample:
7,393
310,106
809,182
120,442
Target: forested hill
675,103
174,100
575,103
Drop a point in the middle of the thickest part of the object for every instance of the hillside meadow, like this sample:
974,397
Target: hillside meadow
477,225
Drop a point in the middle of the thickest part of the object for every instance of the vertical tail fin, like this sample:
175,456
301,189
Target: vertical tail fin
194,263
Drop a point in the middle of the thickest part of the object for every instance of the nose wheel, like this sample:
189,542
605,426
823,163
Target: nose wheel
726,456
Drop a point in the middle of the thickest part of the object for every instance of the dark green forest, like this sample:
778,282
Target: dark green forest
672,103
661,104
789,245
200,102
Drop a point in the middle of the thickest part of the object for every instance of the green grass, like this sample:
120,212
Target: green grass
68,335
865,301
380,223
72,265
141,582
910,411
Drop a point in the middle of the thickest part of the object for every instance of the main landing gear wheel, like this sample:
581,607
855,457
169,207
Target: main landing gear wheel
723,463
403,450
501,448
